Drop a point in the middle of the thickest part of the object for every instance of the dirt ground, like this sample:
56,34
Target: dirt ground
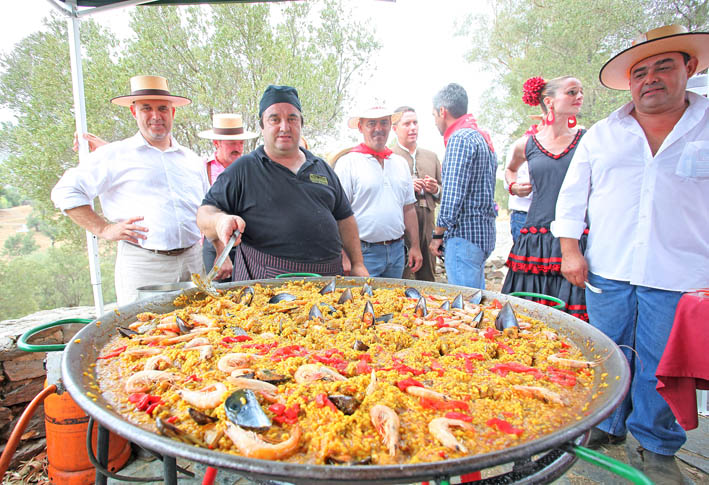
14,220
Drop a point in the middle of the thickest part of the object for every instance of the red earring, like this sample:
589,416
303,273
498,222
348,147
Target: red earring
550,117
572,121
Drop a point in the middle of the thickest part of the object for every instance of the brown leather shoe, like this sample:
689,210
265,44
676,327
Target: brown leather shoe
661,469
600,438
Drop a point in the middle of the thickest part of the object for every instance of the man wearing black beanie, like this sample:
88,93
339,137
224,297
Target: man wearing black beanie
288,204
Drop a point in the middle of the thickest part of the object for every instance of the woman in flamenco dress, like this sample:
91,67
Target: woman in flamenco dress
535,259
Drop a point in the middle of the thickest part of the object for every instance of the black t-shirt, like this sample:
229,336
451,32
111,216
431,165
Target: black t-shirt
292,216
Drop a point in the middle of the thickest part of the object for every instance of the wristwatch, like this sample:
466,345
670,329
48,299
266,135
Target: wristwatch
436,236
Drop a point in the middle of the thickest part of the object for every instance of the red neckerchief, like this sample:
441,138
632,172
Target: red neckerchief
362,148
466,121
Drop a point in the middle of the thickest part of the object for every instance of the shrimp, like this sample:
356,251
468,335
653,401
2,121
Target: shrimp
169,323
314,372
199,341
386,422
253,384
202,320
206,398
151,339
542,393
390,326
143,380
138,352
426,393
205,351
186,337
153,363
575,364
440,429
372,383
235,360
447,330
251,445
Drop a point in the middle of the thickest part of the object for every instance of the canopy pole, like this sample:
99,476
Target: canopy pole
77,80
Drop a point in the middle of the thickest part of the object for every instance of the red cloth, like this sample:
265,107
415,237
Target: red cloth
466,121
362,148
684,366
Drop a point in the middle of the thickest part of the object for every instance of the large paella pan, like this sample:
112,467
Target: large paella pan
608,387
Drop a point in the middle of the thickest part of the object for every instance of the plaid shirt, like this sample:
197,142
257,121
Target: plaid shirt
468,206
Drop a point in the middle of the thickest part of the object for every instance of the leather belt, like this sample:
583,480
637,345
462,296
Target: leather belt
163,252
385,243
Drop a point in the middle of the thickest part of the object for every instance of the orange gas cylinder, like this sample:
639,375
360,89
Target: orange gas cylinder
66,425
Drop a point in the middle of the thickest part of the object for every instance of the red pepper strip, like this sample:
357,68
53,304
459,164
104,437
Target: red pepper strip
402,368
507,348
408,382
171,419
143,404
363,368
137,396
440,321
474,355
563,377
457,415
113,354
238,338
443,405
194,378
496,304
321,400
292,412
435,365
564,345
277,408
152,407
504,426
507,367
365,357
490,333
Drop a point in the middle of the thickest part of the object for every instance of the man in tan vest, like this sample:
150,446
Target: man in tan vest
426,172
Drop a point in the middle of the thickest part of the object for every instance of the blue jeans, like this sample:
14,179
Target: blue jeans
384,260
641,318
517,220
465,263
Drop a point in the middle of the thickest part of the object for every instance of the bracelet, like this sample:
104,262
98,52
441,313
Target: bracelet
436,236
509,188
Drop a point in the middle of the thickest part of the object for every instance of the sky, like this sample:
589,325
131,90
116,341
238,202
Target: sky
420,55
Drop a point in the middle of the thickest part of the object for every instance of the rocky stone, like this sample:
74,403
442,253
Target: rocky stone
5,416
26,450
21,392
25,367
36,423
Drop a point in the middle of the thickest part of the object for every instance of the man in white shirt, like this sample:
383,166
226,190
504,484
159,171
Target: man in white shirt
150,188
379,187
643,175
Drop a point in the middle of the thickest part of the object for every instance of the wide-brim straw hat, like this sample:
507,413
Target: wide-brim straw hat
150,87
227,126
615,74
373,113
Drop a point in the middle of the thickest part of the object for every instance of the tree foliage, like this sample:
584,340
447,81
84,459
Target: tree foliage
549,38
20,244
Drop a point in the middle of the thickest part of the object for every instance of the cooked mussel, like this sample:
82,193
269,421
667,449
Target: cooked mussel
458,302
446,305
412,292
246,296
347,460
331,310
345,297
347,404
126,332
271,377
200,418
421,310
384,318
360,346
281,297
506,318
478,318
243,408
238,331
182,325
476,298
328,288
368,314
315,313
367,290
172,431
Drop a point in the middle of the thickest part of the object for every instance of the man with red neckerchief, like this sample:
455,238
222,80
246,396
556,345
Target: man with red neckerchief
380,189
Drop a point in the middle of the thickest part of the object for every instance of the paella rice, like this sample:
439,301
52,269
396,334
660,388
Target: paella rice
326,375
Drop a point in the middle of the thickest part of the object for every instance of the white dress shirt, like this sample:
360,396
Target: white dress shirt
515,202
648,215
377,195
133,178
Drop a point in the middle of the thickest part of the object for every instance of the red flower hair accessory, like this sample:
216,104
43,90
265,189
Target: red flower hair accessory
532,89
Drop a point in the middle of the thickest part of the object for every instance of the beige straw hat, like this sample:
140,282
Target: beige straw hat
227,126
149,87
373,113
615,74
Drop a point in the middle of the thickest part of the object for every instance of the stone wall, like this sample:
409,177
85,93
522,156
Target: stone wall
22,374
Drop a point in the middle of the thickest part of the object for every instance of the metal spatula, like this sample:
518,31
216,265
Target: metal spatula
206,285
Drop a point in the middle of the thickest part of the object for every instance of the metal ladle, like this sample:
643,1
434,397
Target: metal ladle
206,285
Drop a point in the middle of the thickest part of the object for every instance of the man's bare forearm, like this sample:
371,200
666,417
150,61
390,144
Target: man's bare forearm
349,233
